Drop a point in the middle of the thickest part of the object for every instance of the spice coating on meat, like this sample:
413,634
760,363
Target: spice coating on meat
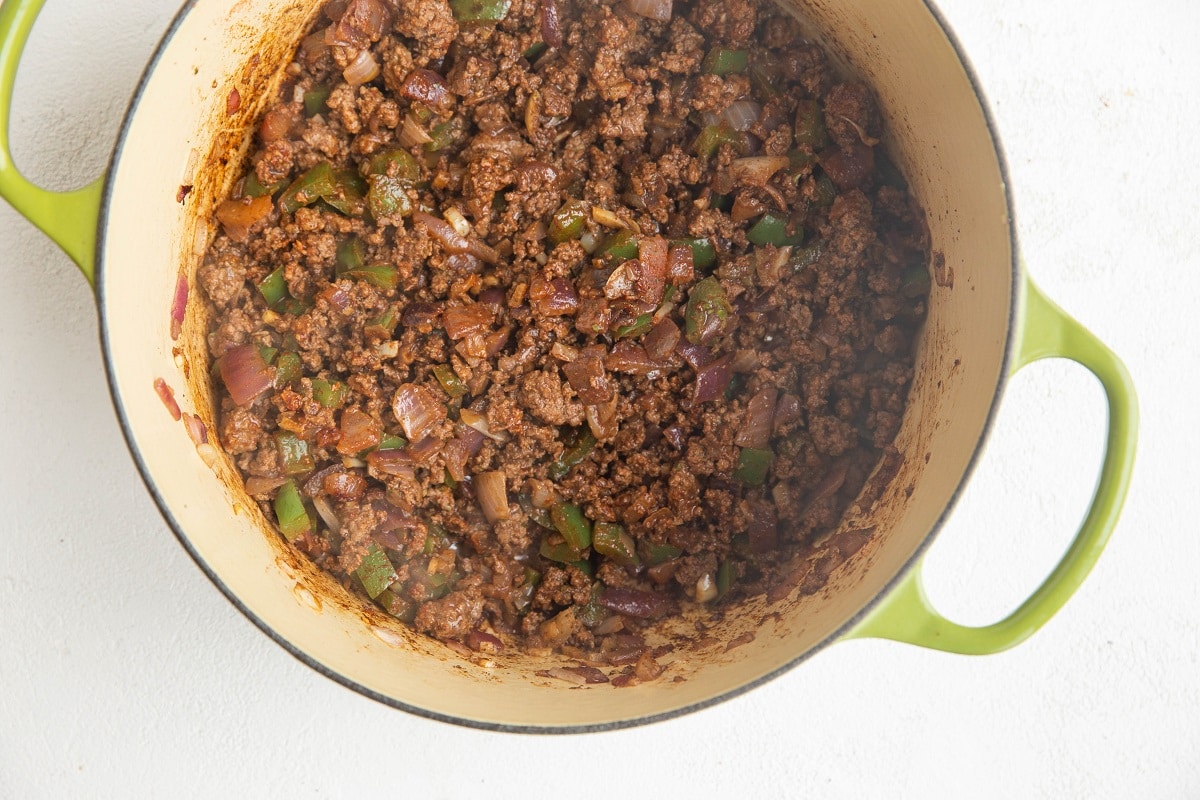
552,340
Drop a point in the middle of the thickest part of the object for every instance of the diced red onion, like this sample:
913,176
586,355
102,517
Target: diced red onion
420,314
233,101
631,357
451,240
602,419
196,429
278,123
411,133
360,431
746,206
763,528
479,422
344,485
587,377
494,343
680,267
327,514
829,483
424,449
485,642
848,167
543,494
179,305
336,296
494,297
705,589
428,87
485,253
636,603
696,355
552,298
245,374
363,22
363,69
649,271
492,495
787,411
167,396
455,455
756,426
315,483
313,47
471,439
756,170
392,462
741,114
238,216
659,10
463,321
662,339
744,361
619,283
532,174
418,410
676,436
712,380
551,29
259,485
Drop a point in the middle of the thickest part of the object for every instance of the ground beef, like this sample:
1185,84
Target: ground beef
550,342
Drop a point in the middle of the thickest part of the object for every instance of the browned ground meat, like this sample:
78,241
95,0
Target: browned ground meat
549,342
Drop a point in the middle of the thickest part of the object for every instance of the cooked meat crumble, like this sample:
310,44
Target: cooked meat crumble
538,320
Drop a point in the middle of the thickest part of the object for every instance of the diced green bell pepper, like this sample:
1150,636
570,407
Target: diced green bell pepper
253,187
329,394
569,521
315,99
724,578
480,10
773,230
388,195
655,554
393,443
704,255
724,61
376,572
708,311
810,125
274,288
395,164
620,247
287,369
752,466
293,517
610,539
351,254
451,383
293,454
636,328
567,223
573,456
713,136
384,276
310,187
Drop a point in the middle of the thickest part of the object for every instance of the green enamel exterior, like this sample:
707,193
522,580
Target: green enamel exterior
906,615
68,218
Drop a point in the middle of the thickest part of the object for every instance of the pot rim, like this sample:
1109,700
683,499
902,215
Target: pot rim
832,638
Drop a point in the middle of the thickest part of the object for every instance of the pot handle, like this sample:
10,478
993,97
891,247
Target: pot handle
68,218
906,614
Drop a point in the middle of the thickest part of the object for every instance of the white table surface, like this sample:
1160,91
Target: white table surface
124,673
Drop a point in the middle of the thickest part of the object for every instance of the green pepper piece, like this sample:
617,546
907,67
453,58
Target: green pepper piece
395,164
724,578
293,454
708,311
752,466
274,288
610,539
574,456
773,230
810,125
567,223
349,192
382,326
542,517
569,521
253,187
392,443
268,353
293,517
826,190
442,135
655,554
294,306
915,282
388,196
534,50
806,256
480,10
704,255
310,187
315,99
620,247
398,606
713,136
765,72
799,162
376,572
385,276
561,552
451,383
287,369
351,254
329,394
724,61
591,613
636,328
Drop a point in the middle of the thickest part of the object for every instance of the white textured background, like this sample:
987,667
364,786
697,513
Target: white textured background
124,673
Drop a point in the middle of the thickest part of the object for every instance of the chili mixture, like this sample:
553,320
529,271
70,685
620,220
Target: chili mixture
536,321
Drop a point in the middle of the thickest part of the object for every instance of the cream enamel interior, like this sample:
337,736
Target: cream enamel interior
940,139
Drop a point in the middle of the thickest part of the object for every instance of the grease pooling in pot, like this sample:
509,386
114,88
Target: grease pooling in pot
537,321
